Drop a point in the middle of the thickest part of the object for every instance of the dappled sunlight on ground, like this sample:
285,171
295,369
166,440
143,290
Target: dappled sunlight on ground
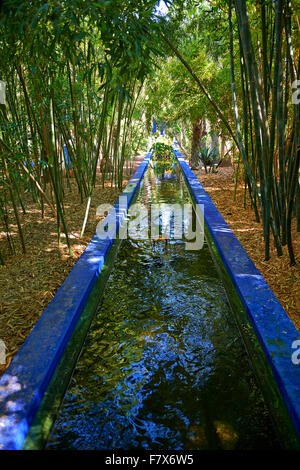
213,189
226,434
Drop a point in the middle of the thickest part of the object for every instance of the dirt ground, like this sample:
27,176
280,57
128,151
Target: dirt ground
29,281
283,279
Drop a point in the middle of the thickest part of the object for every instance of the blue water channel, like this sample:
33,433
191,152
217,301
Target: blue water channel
163,366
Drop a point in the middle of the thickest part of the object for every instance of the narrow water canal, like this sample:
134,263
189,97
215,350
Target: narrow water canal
163,366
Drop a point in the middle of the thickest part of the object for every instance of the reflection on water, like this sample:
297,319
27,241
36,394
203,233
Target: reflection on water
163,366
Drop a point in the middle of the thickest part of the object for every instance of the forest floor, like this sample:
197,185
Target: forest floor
283,279
29,281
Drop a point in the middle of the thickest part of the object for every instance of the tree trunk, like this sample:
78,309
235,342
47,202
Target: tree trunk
198,132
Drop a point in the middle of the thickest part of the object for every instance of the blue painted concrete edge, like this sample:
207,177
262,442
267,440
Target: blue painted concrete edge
274,329
25,381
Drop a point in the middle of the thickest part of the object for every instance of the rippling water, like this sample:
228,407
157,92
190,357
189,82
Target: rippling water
163,366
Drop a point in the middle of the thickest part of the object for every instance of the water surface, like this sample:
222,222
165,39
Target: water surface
163,366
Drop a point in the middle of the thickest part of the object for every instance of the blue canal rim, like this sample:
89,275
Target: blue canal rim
25,382
273,328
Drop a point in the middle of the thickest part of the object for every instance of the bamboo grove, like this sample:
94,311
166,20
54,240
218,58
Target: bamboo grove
73,73
269,129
